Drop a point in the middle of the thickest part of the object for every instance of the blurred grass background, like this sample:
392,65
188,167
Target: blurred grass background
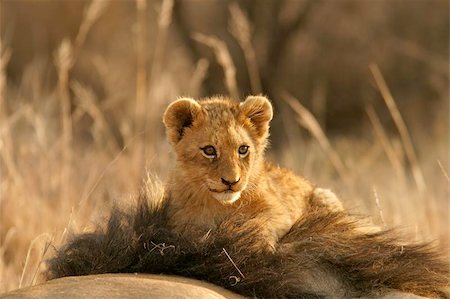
360,90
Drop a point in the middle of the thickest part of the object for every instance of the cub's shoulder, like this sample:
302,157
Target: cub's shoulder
286,181
285,178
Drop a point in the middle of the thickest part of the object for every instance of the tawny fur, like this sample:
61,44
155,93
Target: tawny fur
198,197
322,256
317,250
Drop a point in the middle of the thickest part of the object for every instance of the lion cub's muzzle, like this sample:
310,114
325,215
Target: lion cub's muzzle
231,193
230,183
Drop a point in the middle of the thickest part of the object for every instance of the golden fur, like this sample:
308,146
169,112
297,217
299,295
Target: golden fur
223,208
199,190
324,255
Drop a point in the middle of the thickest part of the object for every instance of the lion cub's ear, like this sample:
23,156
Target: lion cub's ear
258,110
179,116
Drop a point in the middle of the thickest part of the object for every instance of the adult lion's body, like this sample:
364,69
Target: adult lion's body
224,206
221,171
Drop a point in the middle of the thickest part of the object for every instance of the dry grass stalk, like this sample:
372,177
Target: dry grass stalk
5,55
377,202
27,259
10,164
224,58
307,120
15,117
68,53
88,101
165,17
444,173
401,127
64,61
65,58
141,65
384,140
319,102
240,28
6,143
87,195
234,264
93,12
198,76
6,240
164,20
47,245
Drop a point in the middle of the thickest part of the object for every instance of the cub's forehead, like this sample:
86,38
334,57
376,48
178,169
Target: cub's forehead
220,112
223,135
221,123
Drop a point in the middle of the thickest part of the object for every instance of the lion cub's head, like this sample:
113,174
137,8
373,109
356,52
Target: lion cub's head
219,143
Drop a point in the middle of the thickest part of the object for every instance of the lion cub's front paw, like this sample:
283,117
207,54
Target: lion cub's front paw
328,198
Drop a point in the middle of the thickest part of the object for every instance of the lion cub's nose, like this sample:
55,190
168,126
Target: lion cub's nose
229,183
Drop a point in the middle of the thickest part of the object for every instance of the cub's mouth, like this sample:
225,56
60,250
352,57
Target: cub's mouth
227,197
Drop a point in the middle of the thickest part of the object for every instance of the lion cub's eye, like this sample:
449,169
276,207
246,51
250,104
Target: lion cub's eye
243,150
209,151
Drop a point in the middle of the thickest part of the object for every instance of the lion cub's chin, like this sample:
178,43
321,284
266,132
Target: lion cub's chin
226,197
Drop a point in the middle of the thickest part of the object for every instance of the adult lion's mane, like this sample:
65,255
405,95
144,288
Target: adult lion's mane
322,256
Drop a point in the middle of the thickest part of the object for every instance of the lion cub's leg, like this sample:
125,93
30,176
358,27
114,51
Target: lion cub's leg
327,198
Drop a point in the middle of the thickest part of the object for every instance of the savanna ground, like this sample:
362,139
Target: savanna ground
83,85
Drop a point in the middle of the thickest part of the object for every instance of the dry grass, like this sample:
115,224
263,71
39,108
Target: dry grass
66,158
401,126
223,57
241,29
309,122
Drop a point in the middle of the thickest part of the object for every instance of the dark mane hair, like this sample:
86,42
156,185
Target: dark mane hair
322,256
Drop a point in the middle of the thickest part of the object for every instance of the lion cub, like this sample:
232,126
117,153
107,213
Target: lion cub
220,170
